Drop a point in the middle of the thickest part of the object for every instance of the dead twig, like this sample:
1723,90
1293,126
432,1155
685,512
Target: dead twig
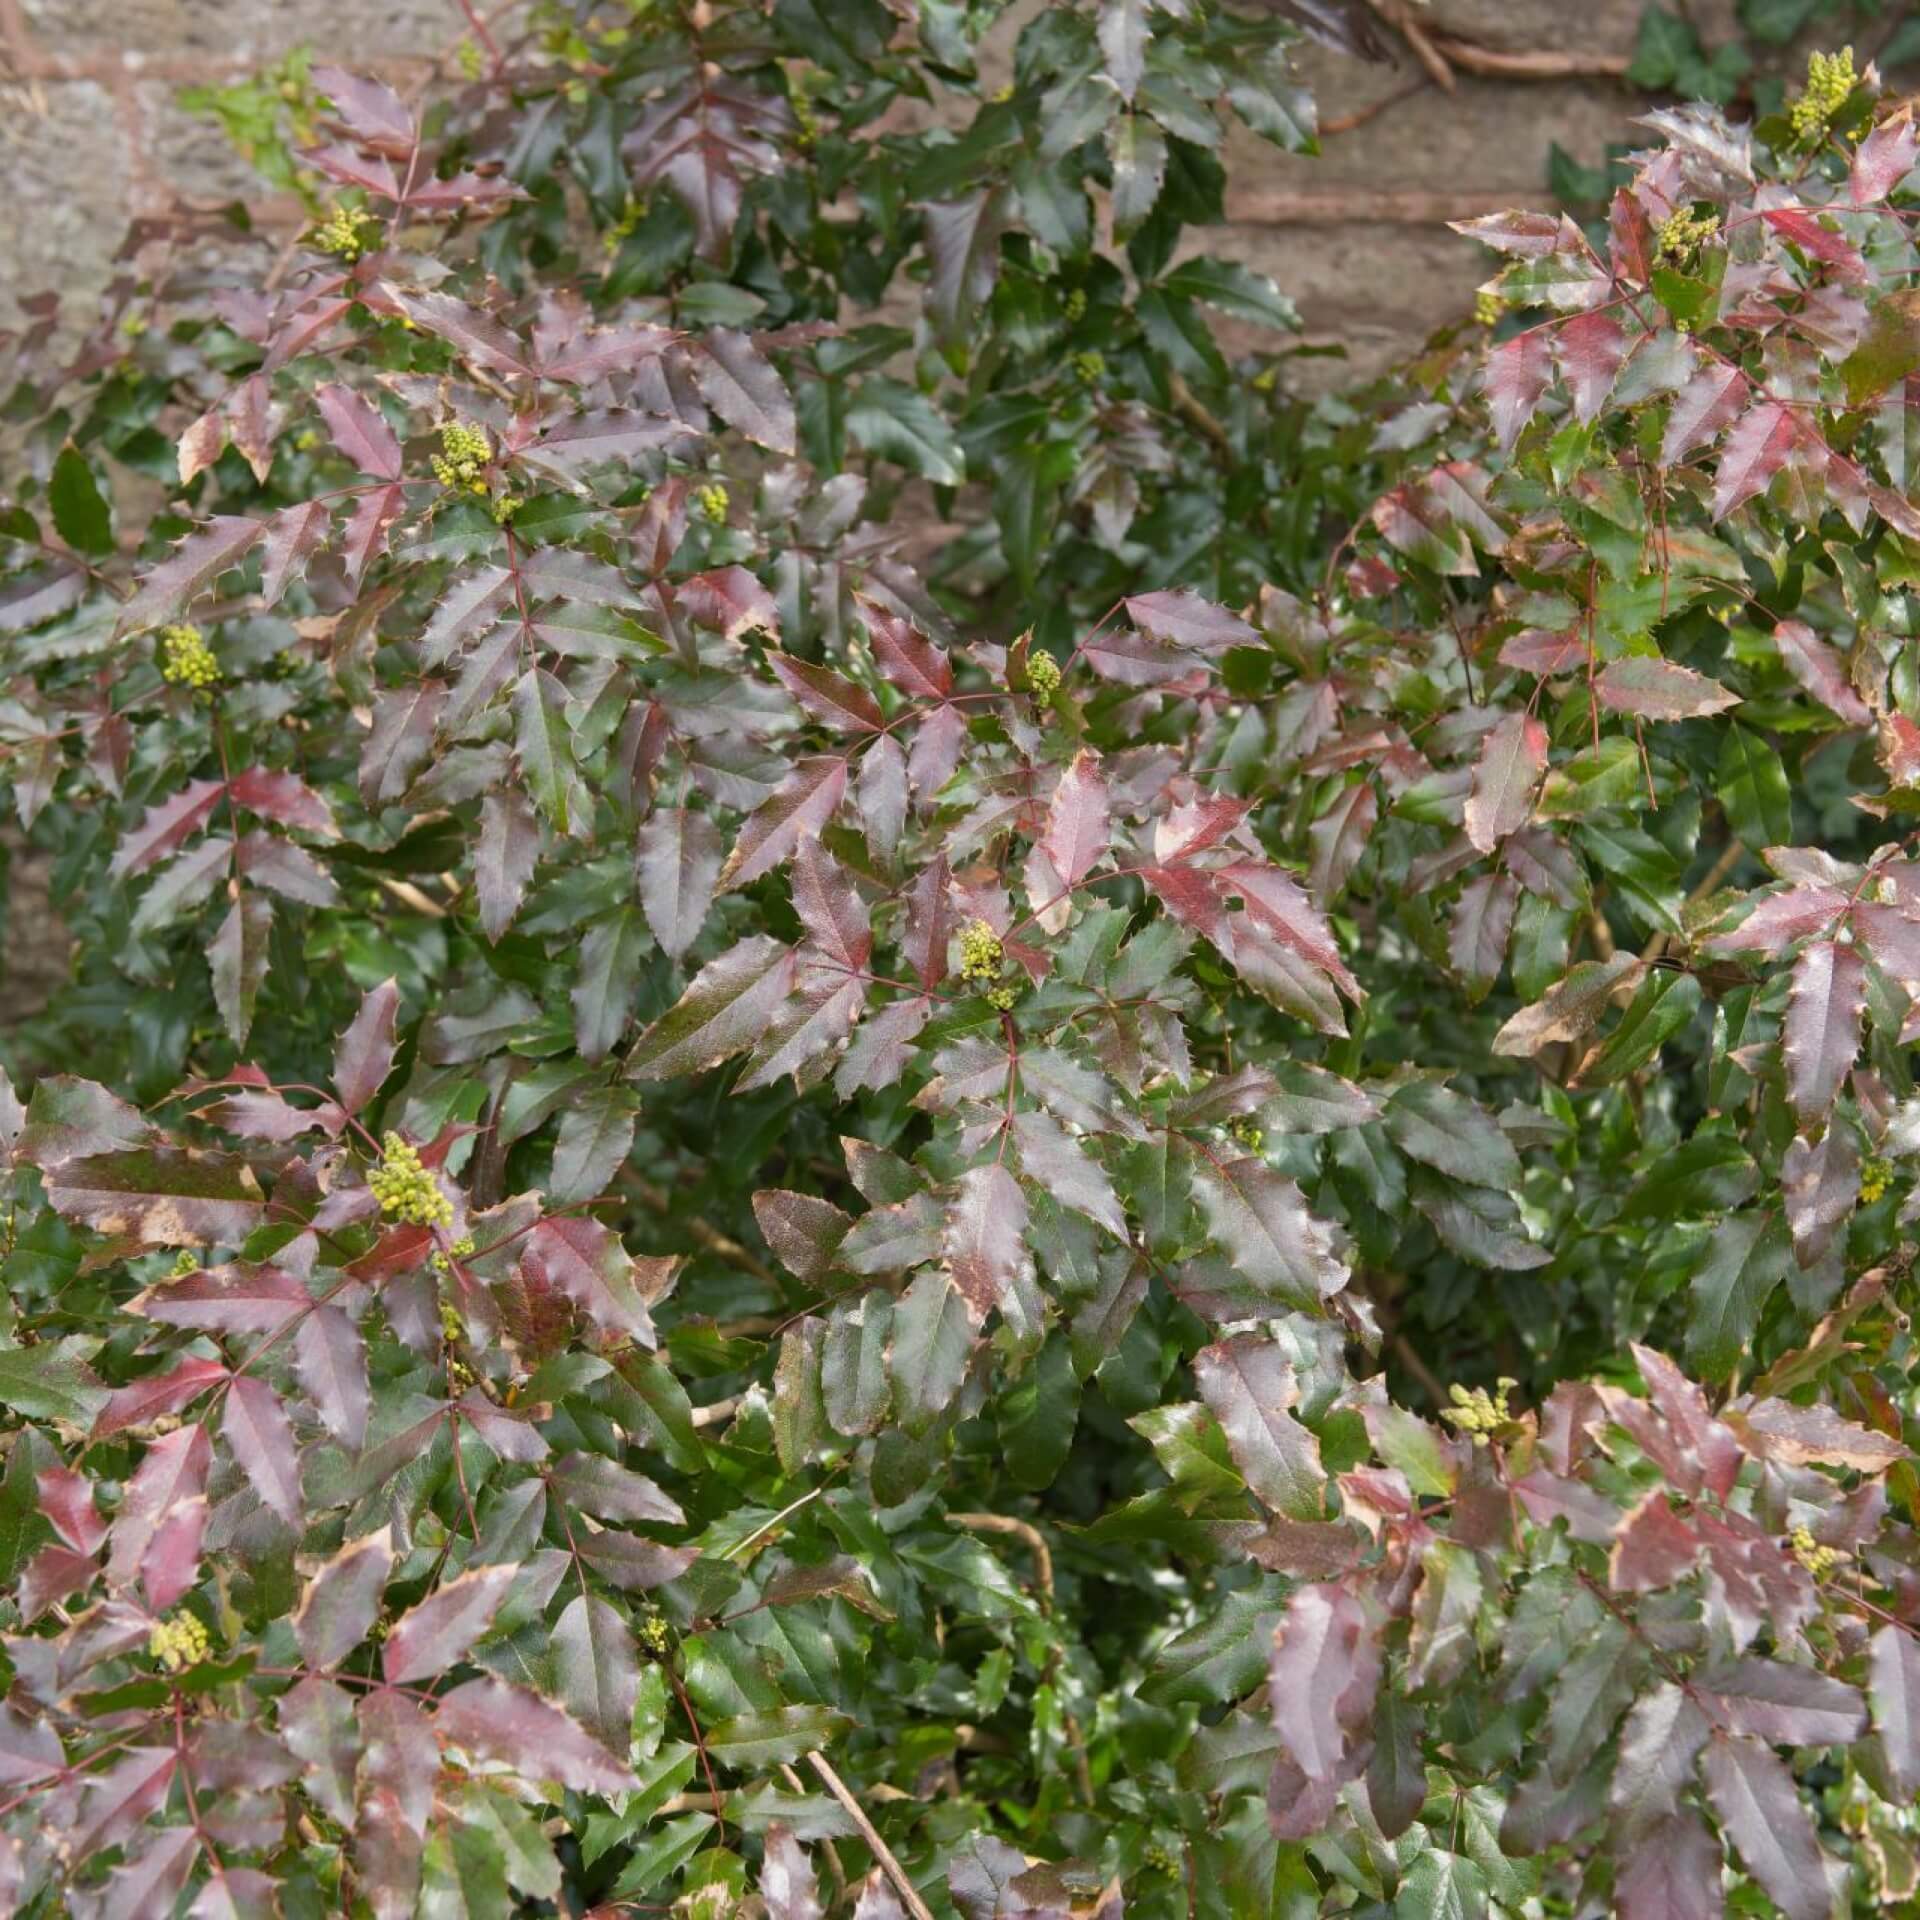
894,1871
1348,122
1034,1540
1530,63
1399,16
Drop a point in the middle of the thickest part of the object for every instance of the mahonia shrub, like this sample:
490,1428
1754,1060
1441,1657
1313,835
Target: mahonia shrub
881,1097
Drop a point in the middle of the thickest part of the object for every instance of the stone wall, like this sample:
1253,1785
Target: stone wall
91,135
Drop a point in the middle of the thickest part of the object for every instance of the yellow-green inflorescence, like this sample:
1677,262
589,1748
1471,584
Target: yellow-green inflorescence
1818,1560
1043,675
464,451
346,233
406,1190
186,660
186,1261
1090,366
1830,78
1478,1412
980,958
712,500
1875,1176
1488,307
179,1643
460,1249
653,1634
1683,233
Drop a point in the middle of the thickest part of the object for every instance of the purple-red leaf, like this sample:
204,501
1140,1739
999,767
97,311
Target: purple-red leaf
363,1057
1893,1688
1821,1034
330,1362
160,1196
1703,410
787,1884
283,797
1761,1812
1660,690
495,1721
739,383
1755,450
678,862
830,908
1783,1704
1882,160
1513,756
195,563
1248,1384
1261,1221
584,1260
505,857
370,110
257,1429
343,1600
359,431
724,1011
1518,371
167,825
1322,1677
442,1629
1821,670
1179,617
801,807
828,695
1590,348
985,1240
1075,839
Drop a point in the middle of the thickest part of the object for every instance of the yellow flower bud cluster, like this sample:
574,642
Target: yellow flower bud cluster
407,1192
1818,1560
1250,1135
1830,78
440,1262
186,1261
1160,1859
179,1643
1479,1413
1488,307
464,450
1091,367
653,1634
980,951
346,233
1043,675
469,59
186,660
712,500
1875,1177
1682,233
631,215
980,958
1076,306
